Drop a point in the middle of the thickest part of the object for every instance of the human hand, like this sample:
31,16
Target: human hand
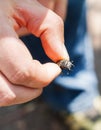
23,78
58,6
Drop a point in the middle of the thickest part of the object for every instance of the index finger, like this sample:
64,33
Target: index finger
44,23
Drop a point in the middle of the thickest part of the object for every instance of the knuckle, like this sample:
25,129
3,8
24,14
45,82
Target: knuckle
60,21
20,76
57,23
54,19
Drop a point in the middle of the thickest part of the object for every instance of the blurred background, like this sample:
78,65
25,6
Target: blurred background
36,115
94,26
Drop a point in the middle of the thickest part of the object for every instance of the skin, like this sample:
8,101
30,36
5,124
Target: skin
58,6
21,77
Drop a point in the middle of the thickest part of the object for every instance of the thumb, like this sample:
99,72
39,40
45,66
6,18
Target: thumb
45,24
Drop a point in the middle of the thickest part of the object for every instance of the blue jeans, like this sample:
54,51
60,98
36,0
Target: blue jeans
75,90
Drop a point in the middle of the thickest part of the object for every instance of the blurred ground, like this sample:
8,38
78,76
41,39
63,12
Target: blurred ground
31,116
36,115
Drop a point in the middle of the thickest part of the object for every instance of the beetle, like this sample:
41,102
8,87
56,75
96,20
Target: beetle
65,64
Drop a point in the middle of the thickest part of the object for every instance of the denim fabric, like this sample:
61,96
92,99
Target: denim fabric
75,90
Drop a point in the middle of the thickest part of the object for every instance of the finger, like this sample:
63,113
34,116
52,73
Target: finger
23,94
17,64
61,8
11,94
36,75
58,6
45,24
40,75
49,4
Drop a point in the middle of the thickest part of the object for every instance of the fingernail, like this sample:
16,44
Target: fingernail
65,53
